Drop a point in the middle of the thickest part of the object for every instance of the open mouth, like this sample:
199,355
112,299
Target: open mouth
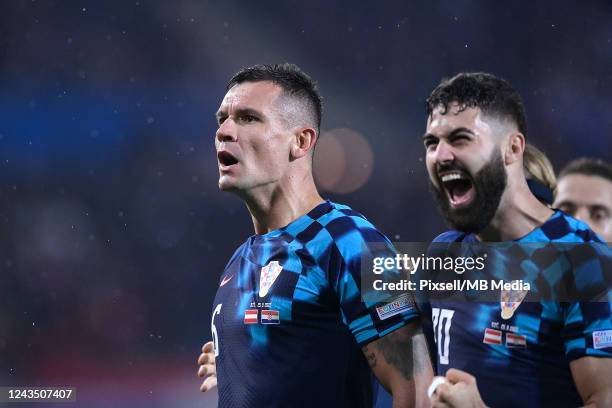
459,188
226,159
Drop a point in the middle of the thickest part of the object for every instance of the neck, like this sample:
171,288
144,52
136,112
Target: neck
275,205
519,213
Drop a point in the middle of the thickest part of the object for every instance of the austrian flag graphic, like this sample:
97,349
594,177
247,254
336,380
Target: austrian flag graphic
492,336
250,316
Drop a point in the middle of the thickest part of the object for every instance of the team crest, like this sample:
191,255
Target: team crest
268,275
510,300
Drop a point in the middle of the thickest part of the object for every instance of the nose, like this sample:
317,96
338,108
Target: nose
226,131
443,153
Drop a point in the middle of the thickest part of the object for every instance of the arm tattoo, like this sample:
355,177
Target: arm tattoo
370,356
407,353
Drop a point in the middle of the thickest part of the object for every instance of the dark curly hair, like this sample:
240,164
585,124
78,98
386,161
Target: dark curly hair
492,95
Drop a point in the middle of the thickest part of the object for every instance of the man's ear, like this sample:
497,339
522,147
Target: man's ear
303,143
515,148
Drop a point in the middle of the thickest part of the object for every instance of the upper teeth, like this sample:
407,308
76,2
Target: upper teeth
449,177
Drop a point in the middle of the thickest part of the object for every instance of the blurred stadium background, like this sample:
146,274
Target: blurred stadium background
112,230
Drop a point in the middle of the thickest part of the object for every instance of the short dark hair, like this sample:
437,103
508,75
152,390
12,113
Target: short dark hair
494,96
588,166
290,78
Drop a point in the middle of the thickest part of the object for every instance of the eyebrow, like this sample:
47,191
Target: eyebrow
566,203
239,112
592,206
451,134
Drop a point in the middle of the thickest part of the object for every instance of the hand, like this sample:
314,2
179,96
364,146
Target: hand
459,391
208,369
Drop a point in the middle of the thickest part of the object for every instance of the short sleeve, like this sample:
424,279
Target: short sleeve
355,239
588,329
588,320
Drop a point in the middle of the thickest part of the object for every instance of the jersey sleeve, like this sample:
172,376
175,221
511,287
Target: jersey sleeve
588,320
588,329
368,315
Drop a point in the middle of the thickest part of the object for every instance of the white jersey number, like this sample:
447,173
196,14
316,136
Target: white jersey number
442,319
213,329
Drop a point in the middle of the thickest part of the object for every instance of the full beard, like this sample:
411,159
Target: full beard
489,184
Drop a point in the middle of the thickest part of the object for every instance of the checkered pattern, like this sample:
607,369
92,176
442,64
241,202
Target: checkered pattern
323,319
556,332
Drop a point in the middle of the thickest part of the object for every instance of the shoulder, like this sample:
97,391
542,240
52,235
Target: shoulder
237,253
348,226
451,236
341,229
564,228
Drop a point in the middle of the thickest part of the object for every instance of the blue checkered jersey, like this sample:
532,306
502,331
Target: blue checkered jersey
523,359
289,317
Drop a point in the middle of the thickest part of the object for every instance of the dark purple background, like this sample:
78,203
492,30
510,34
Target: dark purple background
112,230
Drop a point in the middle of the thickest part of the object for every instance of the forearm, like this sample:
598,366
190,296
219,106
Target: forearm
592,378
401,362
600,399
